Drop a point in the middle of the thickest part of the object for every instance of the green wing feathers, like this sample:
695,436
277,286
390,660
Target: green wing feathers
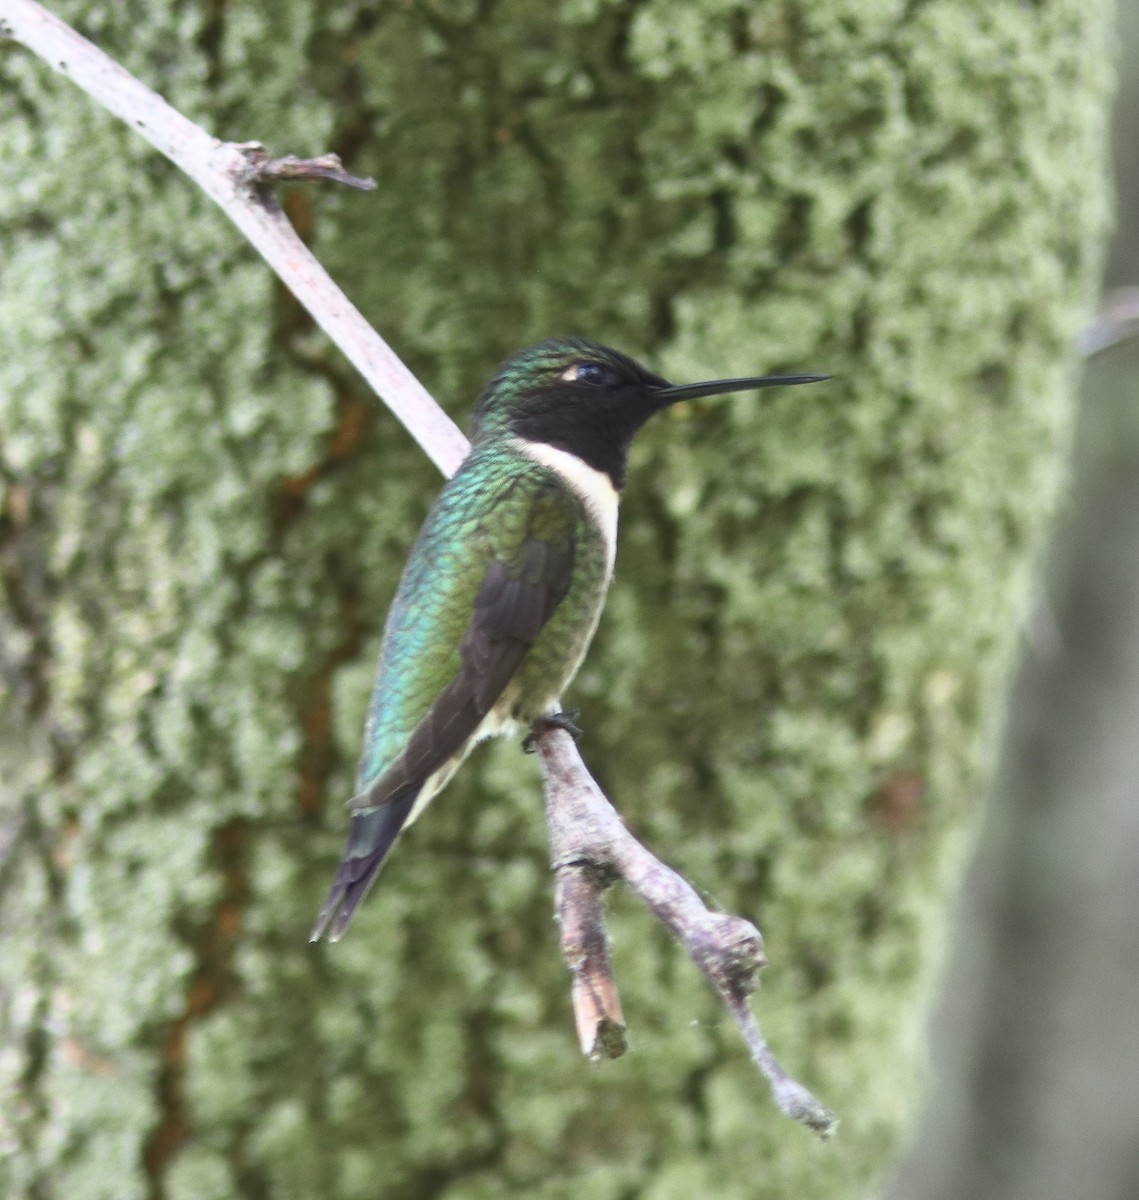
490,568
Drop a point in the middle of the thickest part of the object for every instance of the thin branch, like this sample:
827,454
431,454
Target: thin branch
588,838
1117,320
578,892
328,167
590,847
227,173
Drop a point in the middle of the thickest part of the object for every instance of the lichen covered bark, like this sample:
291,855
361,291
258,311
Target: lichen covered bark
204,517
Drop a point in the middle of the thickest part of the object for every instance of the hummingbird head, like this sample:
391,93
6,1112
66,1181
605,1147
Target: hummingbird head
588,399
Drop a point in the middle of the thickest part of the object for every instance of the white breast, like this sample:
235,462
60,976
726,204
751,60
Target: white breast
592,487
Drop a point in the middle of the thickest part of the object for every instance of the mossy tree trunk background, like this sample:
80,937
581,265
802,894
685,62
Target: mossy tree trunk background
204,515
1036,1076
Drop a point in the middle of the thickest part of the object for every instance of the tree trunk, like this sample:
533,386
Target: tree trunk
204,516
1036,1090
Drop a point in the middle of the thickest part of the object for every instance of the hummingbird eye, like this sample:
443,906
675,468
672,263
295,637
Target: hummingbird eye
587,372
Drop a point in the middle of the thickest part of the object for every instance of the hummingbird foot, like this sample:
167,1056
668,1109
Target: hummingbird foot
559,720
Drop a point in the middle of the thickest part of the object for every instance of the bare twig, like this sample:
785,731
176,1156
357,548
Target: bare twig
222,170
590,847
588,839
263,169
578,892
1117,320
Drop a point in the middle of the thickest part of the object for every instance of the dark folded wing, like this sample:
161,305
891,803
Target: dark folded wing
529,563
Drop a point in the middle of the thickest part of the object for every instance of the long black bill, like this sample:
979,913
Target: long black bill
720,387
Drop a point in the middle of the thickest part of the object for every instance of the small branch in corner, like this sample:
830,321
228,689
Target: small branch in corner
1117,320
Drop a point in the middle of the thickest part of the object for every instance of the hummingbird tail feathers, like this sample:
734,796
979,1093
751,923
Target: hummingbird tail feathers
372,835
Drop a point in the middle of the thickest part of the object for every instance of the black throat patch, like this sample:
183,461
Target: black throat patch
599,433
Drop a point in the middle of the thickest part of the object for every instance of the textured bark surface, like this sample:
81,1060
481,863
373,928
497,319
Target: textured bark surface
1037,1078
204,516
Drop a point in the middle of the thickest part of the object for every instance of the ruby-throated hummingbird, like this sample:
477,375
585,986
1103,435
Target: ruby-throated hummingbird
504,587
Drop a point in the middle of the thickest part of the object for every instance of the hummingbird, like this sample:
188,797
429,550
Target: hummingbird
504,587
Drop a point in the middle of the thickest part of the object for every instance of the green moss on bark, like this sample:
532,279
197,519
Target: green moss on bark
814,596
